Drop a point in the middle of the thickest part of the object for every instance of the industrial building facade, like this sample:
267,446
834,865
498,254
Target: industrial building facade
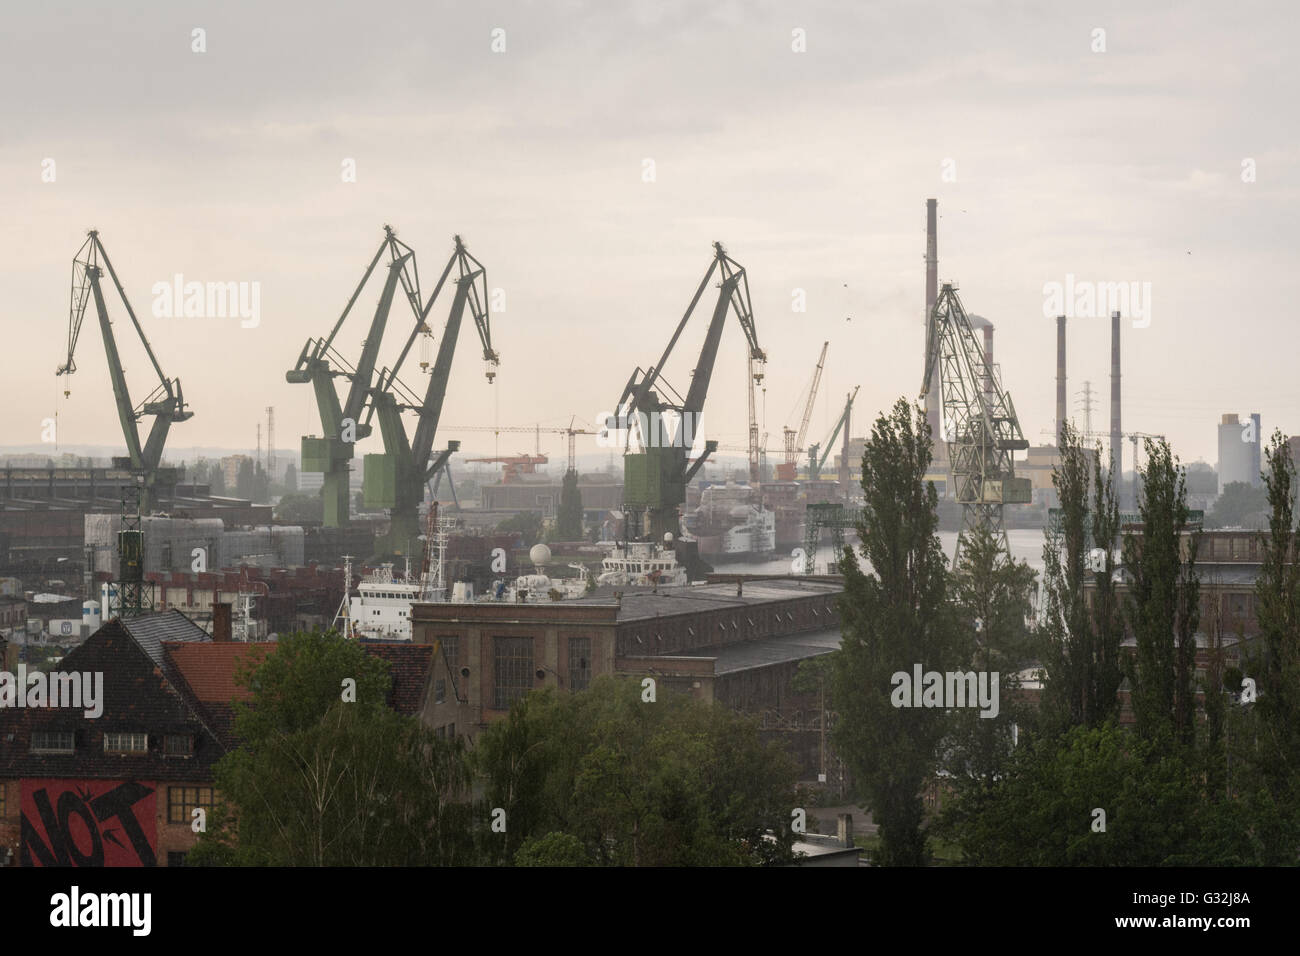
737,642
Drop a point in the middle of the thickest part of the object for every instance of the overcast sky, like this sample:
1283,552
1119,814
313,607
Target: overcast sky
1047,157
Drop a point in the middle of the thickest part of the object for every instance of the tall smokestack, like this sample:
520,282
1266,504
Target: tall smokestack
1060,378
932,397
1116,436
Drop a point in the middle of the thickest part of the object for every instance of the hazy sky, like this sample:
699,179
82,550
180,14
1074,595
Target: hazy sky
812,167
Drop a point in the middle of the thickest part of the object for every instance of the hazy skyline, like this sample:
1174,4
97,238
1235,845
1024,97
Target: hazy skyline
811,167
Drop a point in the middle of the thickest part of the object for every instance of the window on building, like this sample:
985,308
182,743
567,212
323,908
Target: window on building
182,800
179,745
4,799
451,648
439,691
513,669
176,859
126,743
579,663
52,741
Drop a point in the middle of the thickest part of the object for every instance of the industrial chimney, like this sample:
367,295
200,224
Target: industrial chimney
1116,436
988,358
1060,378
932,396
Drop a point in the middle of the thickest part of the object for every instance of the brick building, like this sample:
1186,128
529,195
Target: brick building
736,641
129,777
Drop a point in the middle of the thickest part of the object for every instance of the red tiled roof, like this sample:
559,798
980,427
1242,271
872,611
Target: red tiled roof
209,669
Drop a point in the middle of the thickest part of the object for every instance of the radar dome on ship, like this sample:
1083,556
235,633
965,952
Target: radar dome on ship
539,554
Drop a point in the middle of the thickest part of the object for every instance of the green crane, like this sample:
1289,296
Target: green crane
319,364
816,464
397,478
166,403
656,476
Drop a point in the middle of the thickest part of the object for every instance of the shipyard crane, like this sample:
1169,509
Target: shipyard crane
655,476
341,423
166,403
815,462
980,423
794,440
396,478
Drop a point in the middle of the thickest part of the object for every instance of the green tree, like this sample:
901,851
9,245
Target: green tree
1043,811
244,479
1164,603
301,507
568,522
1275,719
290,478
326,774
217,480
1080,644
1240,505
526,524
893,617
994,597
603,776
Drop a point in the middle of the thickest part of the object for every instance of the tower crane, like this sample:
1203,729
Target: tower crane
166,403
980,423
570,432
816,463
396,478
332,452
794,440
656,475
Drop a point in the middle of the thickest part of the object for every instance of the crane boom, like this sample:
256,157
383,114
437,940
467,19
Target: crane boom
794,440
166,402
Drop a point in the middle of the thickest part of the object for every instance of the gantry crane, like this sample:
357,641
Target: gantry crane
816,463
341,423
794,440
166,403
515,465
396,479
656,475
980,423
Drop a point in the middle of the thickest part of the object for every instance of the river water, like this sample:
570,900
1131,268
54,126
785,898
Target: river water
1026,545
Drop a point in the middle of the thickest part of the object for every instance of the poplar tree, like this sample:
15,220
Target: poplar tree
1080,644
1276,665
894,615
1164,603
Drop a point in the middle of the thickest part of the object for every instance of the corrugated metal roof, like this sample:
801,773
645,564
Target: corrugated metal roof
770,650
